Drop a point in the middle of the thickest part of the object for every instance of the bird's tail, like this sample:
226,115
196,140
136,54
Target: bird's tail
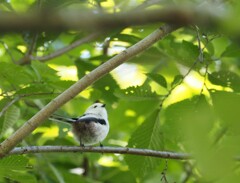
58,118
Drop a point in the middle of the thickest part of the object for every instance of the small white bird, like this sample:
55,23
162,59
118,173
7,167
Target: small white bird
90,128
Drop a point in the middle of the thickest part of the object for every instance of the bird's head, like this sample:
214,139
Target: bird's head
98,109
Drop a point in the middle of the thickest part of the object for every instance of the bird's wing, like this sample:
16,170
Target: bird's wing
88,119
83,118
59,118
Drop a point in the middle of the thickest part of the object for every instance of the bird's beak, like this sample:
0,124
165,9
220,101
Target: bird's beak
97,101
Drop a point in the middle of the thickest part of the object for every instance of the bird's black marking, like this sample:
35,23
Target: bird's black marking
91,119
74,118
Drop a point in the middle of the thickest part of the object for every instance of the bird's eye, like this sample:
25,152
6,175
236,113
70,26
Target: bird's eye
94,106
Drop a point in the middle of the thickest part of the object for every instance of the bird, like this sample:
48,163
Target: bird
90,128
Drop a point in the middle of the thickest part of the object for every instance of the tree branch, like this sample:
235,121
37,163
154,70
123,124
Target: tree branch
117,150
26,59
68,48
8,144
48,20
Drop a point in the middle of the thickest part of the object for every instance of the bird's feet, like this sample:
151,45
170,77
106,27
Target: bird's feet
101,145
82,146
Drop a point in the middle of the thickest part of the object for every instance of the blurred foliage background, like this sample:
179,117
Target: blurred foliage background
180,95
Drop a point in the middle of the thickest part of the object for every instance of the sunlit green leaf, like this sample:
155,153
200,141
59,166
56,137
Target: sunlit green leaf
225,79
37,91
137,93
44,72
177,80
103,89
158,78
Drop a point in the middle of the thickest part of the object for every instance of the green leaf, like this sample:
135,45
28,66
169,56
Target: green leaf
10,118
14,168
177,80
185,53
194,120
232,50
210,48
103,88
13,163
149,57
127,38
147,135
158,79
38,90
227,105
183,118
225,79
137,93
13,75
44,72
188,52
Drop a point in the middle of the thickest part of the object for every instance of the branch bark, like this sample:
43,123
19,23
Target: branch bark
87,20
118,150
7,145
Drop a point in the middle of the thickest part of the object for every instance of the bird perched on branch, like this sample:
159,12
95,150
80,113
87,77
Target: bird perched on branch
90,128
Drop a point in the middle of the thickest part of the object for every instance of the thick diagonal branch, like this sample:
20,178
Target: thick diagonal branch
7,145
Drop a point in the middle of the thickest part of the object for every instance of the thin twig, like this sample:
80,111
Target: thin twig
164,177
117,150
6,95
204,80
27,57
200,57
33,44
8,51
68,48
5,108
